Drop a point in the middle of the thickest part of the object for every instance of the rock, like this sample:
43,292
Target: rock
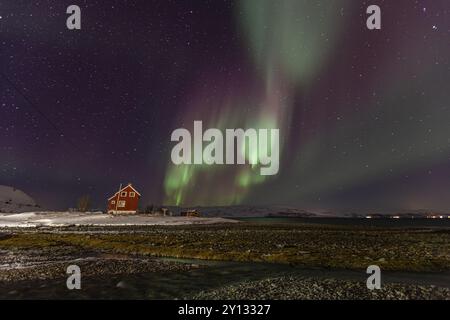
123,285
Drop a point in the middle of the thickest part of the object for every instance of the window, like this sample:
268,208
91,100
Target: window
113,202
132,194
121,204
123,194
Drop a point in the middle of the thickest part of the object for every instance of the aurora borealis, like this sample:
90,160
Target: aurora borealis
364,116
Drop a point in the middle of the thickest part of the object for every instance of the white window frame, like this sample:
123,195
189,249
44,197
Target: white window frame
132,194
121,204
113,202
123,194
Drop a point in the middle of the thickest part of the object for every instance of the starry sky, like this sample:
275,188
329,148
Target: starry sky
364,116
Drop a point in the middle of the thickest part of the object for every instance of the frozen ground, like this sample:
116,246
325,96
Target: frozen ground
38,219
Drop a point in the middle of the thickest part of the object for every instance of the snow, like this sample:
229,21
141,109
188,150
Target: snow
54,219
14,200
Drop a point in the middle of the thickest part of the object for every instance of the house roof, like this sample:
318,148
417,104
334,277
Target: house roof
127,186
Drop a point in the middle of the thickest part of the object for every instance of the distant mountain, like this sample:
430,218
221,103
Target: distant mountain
247,211
16,201
286,211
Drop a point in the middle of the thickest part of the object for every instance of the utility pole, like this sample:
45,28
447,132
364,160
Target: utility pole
118,196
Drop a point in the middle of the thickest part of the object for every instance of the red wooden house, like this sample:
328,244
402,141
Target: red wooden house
124,201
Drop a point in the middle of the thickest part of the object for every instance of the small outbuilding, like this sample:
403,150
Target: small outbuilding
190,213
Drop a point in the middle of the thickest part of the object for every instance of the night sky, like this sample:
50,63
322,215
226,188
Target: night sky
364,116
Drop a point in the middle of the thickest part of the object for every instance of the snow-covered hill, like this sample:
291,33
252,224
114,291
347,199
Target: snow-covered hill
15,201
239,211
249,211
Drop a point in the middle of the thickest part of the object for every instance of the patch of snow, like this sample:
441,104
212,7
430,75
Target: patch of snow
54,219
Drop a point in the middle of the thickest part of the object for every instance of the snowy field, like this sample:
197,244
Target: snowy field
56,219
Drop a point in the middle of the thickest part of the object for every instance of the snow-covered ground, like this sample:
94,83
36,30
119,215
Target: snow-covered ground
37,219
